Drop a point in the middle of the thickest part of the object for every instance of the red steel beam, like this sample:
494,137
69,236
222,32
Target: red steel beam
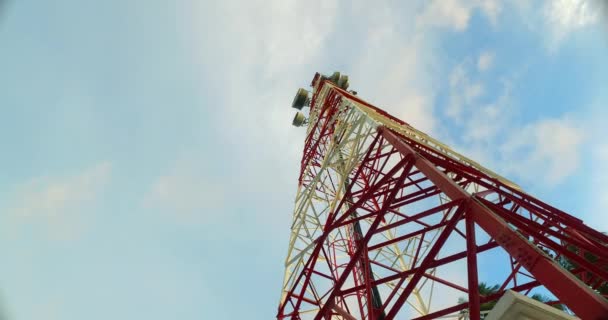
436,263
355,257
428,259
474,308
571,291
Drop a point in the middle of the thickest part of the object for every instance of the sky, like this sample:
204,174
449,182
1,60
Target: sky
149,165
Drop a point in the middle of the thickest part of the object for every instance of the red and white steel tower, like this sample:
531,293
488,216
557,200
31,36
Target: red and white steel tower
390,223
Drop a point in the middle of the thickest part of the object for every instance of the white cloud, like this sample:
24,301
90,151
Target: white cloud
464,91
595,188
404,76
492,9
415,108
599,189
267,50
50,196
451,13
273,48
484,124
59,204
555,22
485,61
572,14
455,14
188,191
548,148
564,17
472,91
398,78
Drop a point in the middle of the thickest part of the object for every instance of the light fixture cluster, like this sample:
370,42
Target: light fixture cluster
302,98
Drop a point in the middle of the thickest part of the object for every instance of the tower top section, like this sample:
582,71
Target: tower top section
323,84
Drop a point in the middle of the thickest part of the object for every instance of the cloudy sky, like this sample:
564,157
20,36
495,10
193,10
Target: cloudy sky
148,161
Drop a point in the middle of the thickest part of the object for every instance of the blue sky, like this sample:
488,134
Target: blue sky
149,164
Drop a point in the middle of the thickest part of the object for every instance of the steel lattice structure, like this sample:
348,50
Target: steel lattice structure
384,216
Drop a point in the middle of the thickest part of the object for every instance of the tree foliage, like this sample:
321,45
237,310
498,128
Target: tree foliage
590,257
